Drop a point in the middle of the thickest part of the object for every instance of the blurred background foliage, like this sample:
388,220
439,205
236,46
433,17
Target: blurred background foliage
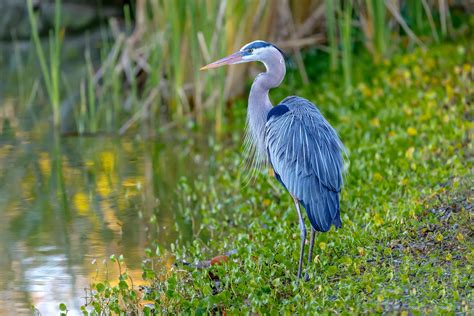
144,62
157,163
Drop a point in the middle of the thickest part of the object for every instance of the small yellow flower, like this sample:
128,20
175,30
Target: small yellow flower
378,220
407,75
368,288
459,237
375,122
322,245
449,91
466,68
378,177
439,237
409,153
411,131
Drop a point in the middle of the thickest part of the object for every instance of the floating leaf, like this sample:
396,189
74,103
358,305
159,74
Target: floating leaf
62,307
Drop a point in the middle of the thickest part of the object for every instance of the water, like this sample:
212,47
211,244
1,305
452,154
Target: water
68,203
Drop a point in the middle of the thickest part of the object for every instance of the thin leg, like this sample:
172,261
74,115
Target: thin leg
310,254
303,235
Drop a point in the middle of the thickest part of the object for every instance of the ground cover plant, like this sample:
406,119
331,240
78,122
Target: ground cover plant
406,245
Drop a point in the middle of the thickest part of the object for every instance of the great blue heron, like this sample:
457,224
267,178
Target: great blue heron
304,151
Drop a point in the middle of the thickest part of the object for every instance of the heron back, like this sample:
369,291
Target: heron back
307,157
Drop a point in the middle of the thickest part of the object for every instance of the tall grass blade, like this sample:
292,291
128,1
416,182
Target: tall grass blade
51,71
427,9
331,32
346,34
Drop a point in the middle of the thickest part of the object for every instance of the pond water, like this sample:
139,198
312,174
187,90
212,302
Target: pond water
68,203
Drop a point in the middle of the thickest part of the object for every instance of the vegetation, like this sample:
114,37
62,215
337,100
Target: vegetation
407,240
399,92
158,60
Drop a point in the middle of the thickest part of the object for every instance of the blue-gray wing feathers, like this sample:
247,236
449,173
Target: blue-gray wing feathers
306,155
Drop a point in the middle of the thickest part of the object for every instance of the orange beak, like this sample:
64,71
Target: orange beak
229,60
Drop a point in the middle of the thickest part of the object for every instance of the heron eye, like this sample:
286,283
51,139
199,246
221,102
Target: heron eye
250,50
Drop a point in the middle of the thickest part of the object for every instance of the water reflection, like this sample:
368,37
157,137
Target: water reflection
66,204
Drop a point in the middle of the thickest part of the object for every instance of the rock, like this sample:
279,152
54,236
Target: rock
76,16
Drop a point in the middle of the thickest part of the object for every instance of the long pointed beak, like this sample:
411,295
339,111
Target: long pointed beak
231,59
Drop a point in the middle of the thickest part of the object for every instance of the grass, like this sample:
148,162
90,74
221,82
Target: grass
50,71
406,245
149,70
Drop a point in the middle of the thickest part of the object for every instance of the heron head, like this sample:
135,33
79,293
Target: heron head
254,51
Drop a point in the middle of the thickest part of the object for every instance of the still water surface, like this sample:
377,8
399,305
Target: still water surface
68,203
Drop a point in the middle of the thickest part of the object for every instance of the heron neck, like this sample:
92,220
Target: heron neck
259,101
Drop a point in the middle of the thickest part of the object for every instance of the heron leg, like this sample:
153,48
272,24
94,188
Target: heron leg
303,235
310,254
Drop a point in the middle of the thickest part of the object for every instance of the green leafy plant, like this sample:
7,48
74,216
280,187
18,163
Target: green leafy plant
405,246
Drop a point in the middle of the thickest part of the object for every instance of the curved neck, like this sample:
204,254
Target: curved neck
272,78
259,101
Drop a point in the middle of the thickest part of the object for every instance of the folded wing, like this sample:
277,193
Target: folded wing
306,155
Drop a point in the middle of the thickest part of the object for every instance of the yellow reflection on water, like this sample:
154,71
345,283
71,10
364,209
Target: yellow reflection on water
44,163
81,203
107,161
105,183
111,220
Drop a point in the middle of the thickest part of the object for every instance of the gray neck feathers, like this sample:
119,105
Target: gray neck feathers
259,106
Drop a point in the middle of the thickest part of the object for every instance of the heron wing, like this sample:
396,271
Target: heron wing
306,155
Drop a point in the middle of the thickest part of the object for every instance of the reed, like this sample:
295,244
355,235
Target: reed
150,69
345,23
380,26
331,32
50,71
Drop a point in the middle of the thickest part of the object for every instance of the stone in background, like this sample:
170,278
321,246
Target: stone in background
77,16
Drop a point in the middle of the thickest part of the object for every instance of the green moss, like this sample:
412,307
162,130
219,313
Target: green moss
406,242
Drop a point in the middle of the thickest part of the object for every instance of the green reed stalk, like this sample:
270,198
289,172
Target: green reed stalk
91,96
177,68
380,27
153,83
415,12
346,29
331,32
377,16
194,28
51,71
81,117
